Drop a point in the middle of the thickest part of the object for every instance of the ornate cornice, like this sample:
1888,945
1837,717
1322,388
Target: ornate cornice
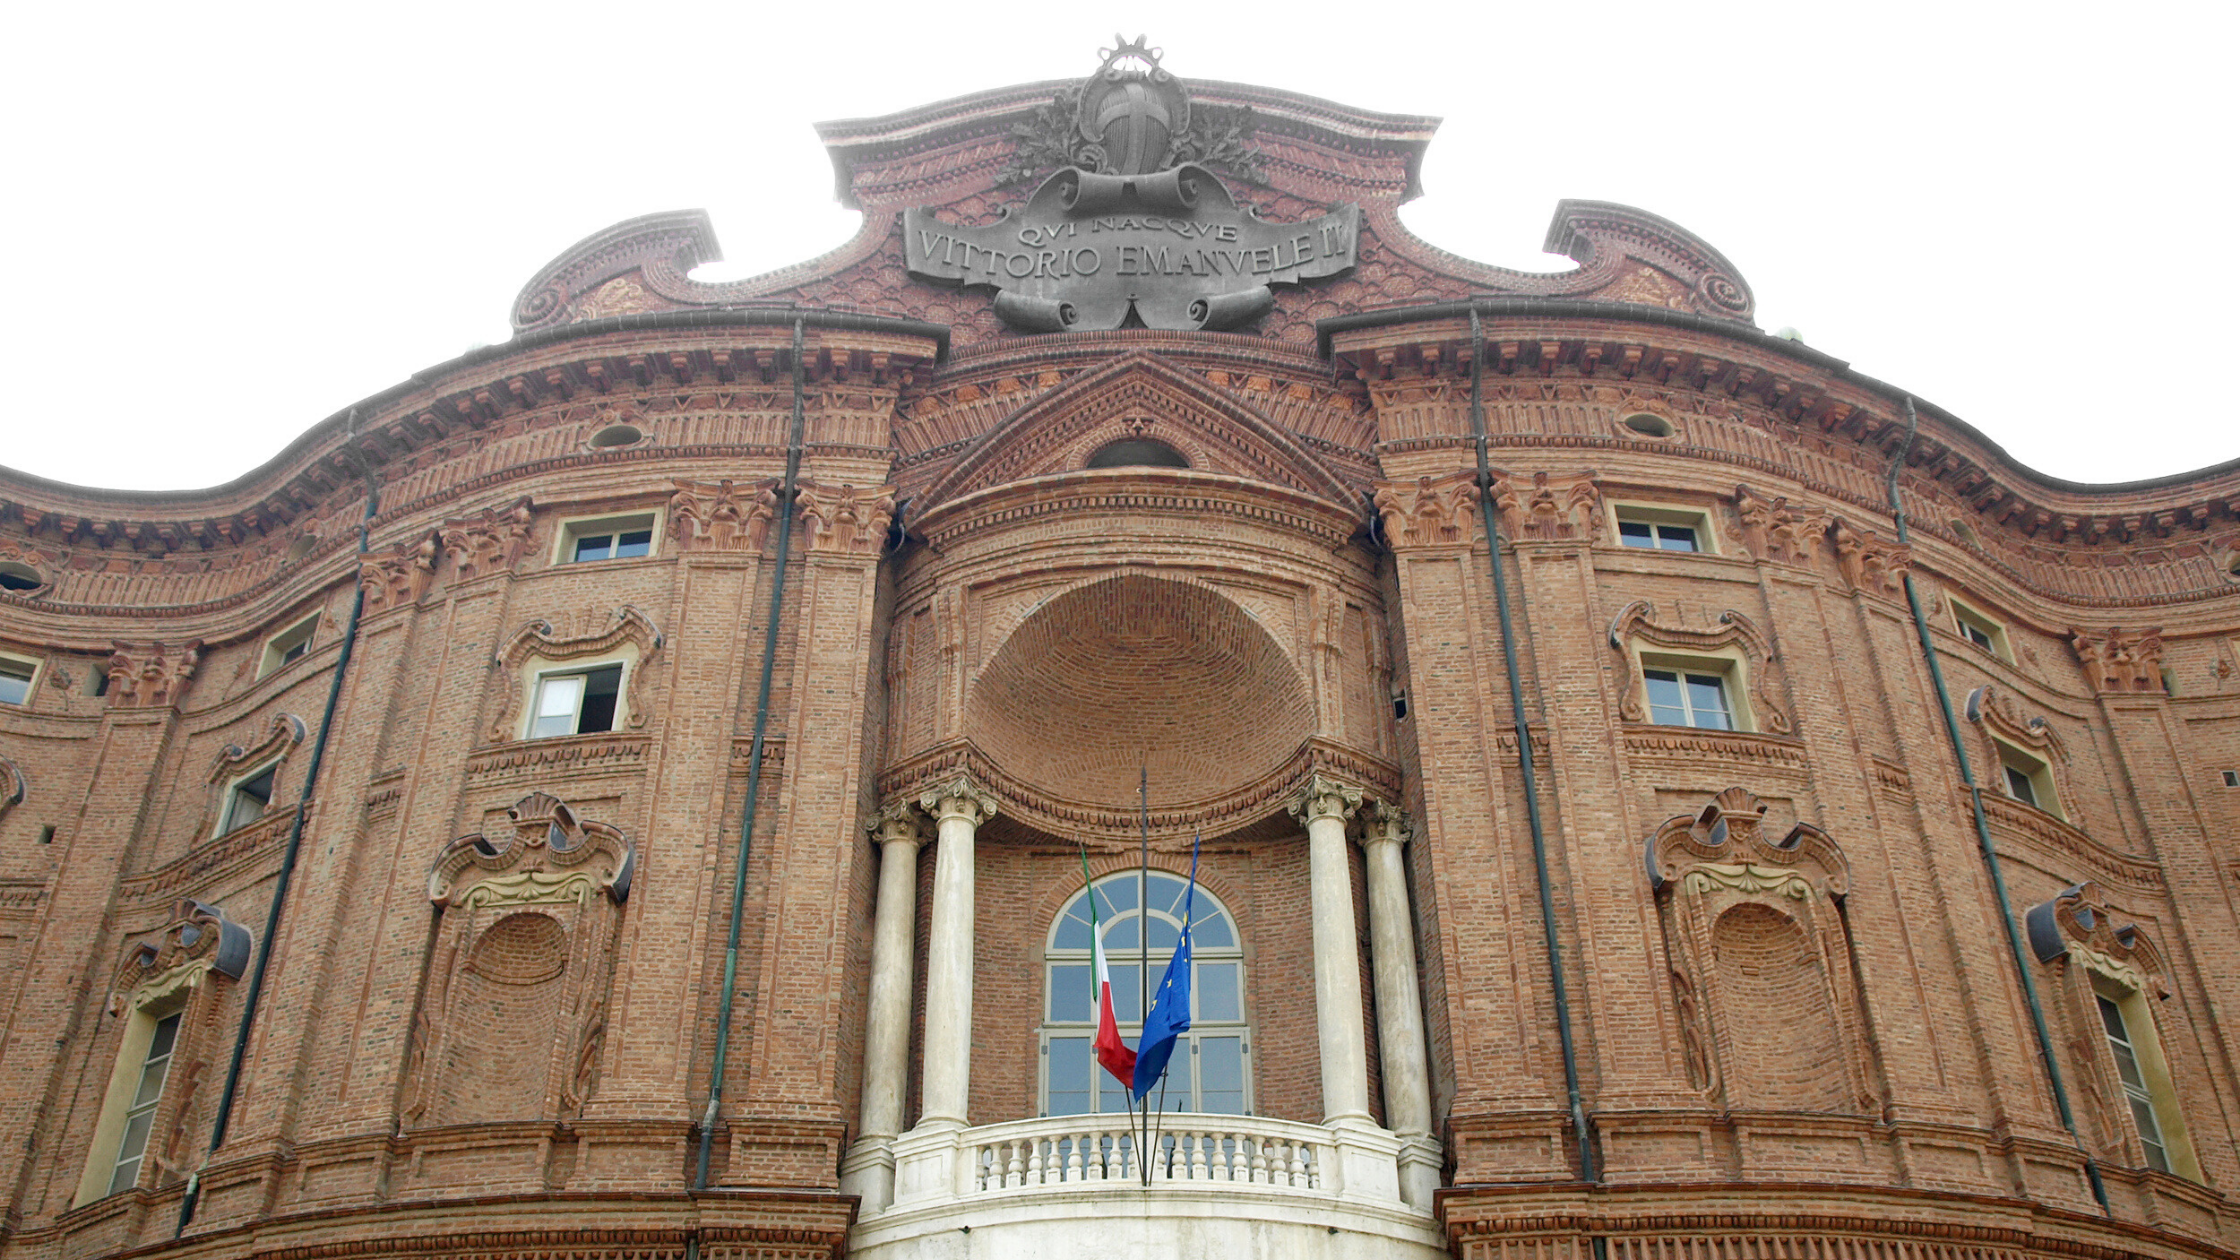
539,640
199,935
552,856
2078,920
1105,493
1724,843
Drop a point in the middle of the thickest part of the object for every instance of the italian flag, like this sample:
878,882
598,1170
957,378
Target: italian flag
1115,1054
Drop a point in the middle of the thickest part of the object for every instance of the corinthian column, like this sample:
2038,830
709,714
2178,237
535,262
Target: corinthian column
868,1170
1324,807
958,807
1407,1072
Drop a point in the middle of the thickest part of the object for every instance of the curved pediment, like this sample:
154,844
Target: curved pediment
1139,396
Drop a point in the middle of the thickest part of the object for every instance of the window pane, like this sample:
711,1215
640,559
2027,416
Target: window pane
167,1033
1676,538
135,1142
1120,935
2111,1018
1665,705
1127,995
14,688
1118,895
1164,892
1708,697
2020,787
2127,1065
599,688
126,1173
1216,992
1212,930
634,543
1635,534
1165,935
1073,928
557,699
594,546
1070,999
295,649
1221,1075
1069,1076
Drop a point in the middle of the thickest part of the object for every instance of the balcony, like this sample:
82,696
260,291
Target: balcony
1243,1185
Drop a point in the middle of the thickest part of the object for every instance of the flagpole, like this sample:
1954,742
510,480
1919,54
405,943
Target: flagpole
1143,949
1189,906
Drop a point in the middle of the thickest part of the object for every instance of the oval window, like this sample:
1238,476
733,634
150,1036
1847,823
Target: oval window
302,546
616,435
16,576
1137,453
1647,425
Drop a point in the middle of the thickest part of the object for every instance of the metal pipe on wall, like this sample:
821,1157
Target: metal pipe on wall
786,493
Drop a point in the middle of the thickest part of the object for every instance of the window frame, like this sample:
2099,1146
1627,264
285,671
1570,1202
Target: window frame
2036,770
1966,616
33,667
162,998
572,531
1201,1028
1728,665
2158,1088
277,648
539,677
1654,514
226,826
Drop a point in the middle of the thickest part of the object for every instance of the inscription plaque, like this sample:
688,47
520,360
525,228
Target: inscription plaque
1173,246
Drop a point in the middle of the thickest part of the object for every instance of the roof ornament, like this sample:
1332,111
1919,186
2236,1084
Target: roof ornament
1134,225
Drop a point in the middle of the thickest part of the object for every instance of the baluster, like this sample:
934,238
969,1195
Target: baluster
1232,1157
1198,1171
1124,1150
1259,1173
1073,1170
982,1156
1014,1173
1296,1166
1034,1160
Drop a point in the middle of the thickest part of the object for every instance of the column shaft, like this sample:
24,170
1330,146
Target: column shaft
1337,957
1407,1076
886,1050
947,1086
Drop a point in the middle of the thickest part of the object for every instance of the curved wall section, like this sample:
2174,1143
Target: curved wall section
646,838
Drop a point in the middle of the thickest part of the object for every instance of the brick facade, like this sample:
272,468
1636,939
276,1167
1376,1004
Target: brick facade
487,1016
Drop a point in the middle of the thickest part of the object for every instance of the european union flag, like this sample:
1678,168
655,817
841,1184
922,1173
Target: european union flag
1169,1016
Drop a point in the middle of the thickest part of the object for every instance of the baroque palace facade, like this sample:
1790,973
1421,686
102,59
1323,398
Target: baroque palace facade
624,792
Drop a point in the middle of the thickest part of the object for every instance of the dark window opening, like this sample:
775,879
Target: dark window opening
1137,453
15,682
616,546
19,577
2020,788
1657,536
248,801
46,834
576,704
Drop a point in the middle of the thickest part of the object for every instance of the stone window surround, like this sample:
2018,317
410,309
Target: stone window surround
2038,769
269,660
36,665
568,529
1965,613
1730,663
1652,513
2125,987
145,1007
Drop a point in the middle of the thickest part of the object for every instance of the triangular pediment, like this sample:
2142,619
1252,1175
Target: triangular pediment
1139,396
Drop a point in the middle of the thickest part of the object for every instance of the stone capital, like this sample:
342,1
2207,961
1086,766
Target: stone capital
896,823
1383,823
1325,798
959,797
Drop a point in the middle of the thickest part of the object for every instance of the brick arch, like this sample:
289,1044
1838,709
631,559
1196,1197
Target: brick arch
1135,671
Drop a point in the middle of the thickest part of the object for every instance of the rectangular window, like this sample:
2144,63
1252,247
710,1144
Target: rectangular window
609,538
1657,536
288,645
1688,698
576,703
15,680
247,800
1649,527
1981,631
2028,779
142,1115
2135,1088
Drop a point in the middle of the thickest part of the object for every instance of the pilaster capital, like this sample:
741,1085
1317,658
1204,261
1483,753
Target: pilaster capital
896,823
959,797
1384,823
1325,797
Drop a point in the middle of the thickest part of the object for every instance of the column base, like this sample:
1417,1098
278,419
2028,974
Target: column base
867,1172
927,1163
1422,1164
1368,1162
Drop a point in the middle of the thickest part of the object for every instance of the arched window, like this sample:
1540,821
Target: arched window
1137,453
1211,1068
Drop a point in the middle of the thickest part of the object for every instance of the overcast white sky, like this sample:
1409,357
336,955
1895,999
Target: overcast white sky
230,221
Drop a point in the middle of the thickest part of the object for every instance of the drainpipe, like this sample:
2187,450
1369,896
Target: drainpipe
1983,829
786,494
1523,723
255,992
